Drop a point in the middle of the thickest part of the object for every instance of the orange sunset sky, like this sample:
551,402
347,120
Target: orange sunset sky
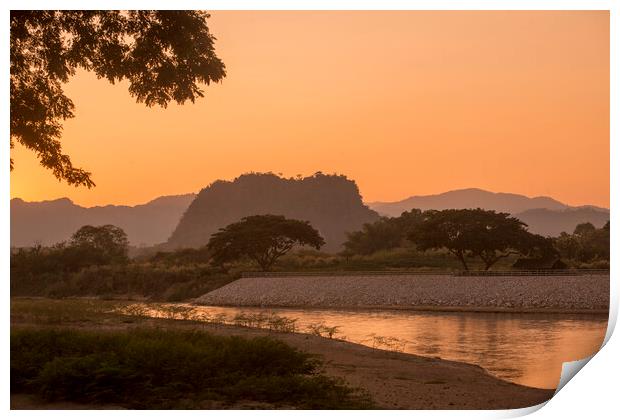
404,103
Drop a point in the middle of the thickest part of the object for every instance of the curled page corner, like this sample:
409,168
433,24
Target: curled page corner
521,412
570,369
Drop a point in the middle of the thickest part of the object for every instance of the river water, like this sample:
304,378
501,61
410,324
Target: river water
528,349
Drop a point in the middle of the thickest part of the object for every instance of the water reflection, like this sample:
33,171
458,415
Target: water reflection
524,348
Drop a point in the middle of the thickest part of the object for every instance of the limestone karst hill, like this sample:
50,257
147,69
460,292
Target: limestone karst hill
331,203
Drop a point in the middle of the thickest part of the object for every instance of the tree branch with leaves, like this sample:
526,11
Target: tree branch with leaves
164,55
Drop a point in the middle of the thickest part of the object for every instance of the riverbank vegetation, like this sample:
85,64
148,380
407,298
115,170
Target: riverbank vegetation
94,313
95,261
168,369
104,353
159,282
385,379
481,239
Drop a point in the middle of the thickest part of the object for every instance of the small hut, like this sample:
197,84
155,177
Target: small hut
553,263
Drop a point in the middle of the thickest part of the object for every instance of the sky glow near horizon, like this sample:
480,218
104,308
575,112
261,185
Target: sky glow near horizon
404,103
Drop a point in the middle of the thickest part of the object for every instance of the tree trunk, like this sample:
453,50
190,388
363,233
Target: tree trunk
490,262
263,262
462,258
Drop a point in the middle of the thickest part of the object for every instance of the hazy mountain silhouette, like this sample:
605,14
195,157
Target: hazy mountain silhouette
331,203
468,198
553,222
49,222
544,215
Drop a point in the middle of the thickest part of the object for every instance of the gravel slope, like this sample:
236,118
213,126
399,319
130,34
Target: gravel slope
515,293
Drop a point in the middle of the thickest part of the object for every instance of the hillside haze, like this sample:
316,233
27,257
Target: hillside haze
50,222
331,203
543,215
468,198
553,222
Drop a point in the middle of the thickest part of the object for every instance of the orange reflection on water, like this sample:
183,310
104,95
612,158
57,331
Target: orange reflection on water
528,349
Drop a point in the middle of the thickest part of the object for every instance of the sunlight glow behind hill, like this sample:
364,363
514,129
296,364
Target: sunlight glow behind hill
402,102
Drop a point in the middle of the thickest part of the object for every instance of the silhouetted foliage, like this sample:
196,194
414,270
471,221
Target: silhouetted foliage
331,203
167,369
182,257
163,55
540,263
262,238
384,234
482,233
568,245
146,280
583,229
107,244
587,243
88,246
95,263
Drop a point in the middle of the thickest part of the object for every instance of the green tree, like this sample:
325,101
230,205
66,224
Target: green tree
593,243
164,55
384,234
584,229
586,244
106,244
568,245
474,232
262,238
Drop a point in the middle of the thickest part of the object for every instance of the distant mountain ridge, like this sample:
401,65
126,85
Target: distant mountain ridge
553,222
331,203
158,221
543,215
468,198
50,222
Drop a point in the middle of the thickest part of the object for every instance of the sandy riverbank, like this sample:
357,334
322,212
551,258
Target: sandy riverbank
579,294
405,381
394,380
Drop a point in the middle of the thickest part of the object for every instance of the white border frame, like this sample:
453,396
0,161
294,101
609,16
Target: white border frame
592,394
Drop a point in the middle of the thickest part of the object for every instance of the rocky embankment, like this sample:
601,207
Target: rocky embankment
578,293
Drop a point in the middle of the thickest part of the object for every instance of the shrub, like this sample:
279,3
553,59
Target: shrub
148,368
157,282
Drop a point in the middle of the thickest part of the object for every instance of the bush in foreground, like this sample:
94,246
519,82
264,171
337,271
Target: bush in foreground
156,369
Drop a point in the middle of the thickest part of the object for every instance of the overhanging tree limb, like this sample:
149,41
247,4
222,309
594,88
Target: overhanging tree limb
164,55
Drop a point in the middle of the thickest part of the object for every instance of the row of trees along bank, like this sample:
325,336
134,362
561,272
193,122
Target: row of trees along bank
484,234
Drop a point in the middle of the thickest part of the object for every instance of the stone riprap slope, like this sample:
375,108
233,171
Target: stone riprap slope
515,293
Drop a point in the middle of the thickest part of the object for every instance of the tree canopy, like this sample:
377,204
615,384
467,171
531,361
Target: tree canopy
587,243
383,234
482,233
583,229
88,246
262,238
164,55
108,244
